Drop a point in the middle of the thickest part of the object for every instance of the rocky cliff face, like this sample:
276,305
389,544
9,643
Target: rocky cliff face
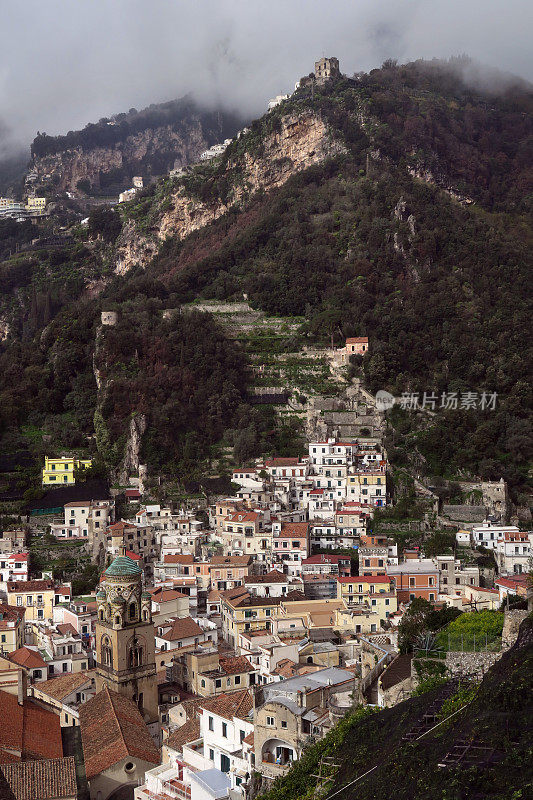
303,140
150,152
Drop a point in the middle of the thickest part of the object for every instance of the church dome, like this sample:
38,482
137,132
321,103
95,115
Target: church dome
123,566
101,595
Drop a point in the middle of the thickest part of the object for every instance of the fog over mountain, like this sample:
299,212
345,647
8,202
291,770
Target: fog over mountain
64,63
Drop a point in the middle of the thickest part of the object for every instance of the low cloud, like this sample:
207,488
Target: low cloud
64,63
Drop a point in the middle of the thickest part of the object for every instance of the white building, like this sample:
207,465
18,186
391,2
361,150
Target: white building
83,518
487,534
225,722
513,553
275,101
13,567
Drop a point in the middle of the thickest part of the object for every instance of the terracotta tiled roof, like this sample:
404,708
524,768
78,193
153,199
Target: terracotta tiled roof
235,666
294,595
296,529
274,576
63,685
357,340
11,613
249,739
325,558
111,729
50,779
117,527
178,558
183,628
66,628
243,516
236,704
236,592
28,729
161,595
30,659
286,668
29,586
187,733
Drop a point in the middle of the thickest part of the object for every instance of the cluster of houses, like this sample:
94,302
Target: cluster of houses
220,644
20,210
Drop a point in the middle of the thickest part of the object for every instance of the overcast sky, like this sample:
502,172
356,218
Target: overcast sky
64,63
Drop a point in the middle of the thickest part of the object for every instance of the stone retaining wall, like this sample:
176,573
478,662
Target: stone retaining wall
474,664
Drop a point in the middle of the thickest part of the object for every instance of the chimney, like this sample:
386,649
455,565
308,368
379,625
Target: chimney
22,686
299,698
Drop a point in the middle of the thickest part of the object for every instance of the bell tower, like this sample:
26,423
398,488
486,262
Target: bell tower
125,641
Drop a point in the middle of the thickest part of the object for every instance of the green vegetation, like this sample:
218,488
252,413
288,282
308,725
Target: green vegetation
464,695
497,716
421,619
473,631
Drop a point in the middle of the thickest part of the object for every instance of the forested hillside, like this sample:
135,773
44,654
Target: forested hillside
411,226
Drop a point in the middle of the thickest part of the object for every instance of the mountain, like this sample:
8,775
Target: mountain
102,159
496,720
394,205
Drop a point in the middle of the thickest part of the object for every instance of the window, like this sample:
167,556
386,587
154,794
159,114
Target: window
211,726
107,652
65,666
237,679
283,723
218,683
412,582
211,754
135,655
19,600
270,721
225,730
203,683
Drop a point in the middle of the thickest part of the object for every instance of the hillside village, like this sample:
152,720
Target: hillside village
232,635
220,636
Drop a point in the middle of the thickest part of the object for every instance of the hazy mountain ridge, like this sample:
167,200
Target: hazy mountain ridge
103,157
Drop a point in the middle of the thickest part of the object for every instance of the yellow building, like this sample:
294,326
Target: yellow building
60,471
375,591
11,628
36,205
37,597
246,613
368,487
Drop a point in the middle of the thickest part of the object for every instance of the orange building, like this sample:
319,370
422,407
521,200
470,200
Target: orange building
415,579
